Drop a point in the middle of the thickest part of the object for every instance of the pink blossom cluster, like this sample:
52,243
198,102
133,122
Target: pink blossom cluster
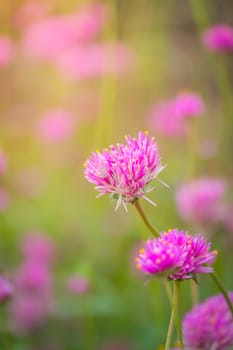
72,42
170,117
209,325
33,281
201,201
177,255
218,38
124,171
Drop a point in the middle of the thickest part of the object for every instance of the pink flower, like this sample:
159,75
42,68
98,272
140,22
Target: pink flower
6,289
31,11
93,61
188,104
177,255
169,117
55,126
218,38
78,285
209,325
38,248
27,313
50,37
201,200
3,163
4,199
6,51
33,276
124,171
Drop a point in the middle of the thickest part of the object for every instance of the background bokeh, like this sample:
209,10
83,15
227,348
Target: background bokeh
77,76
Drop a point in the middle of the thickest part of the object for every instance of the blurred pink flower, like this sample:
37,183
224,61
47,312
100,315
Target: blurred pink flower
218,38
78,284
3,163
188,104
33,301
28,312
38,248
6,289
169,117
31,11
201,201
33,276
93,61
4,199
209,325
48,38
6,50
56,125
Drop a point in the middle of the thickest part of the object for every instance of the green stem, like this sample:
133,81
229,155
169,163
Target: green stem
194,292
176,303
170,332
222,290
174,300
144,218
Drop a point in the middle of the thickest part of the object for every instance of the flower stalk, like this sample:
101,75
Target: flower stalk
222,290
144,218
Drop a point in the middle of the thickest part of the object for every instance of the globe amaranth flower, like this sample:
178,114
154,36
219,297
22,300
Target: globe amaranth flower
218,38
209,325
177,255
124,171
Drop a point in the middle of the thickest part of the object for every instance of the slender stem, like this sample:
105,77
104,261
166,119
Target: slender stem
144,218
194,292
222,290
170,332
176,303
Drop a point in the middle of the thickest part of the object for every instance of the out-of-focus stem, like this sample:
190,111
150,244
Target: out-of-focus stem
194,292
222,290
144,218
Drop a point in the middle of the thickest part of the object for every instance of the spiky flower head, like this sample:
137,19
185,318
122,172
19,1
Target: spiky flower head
125,170
209,325
177,255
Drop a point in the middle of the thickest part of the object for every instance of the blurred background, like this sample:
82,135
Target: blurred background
76,76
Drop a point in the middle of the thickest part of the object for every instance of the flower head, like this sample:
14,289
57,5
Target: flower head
218,38
177,255
169,117
201,200
6,289
125,170
209,325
